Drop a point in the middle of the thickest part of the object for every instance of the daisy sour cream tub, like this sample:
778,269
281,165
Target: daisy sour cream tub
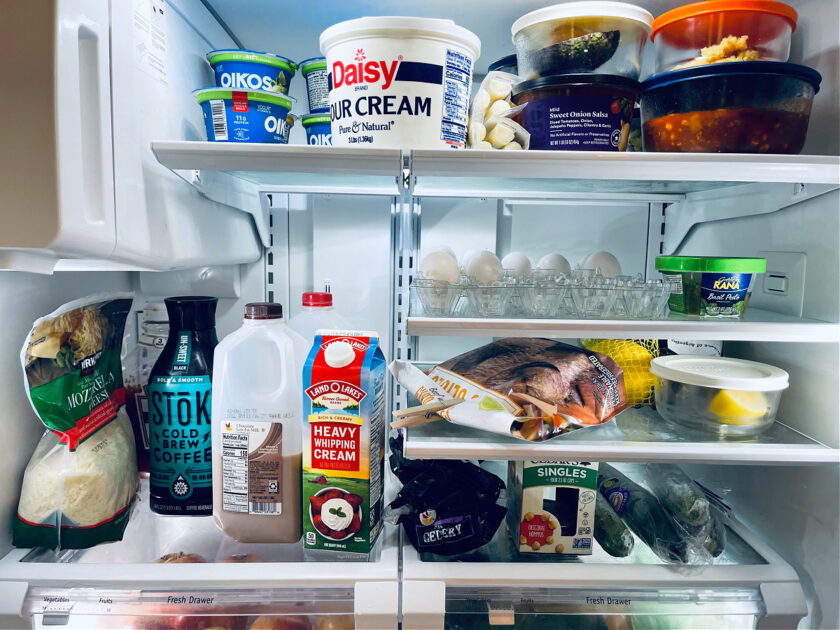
399,81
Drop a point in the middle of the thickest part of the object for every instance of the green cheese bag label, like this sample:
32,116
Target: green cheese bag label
179,426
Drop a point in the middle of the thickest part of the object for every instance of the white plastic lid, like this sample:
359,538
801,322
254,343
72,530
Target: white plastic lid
398,26
720,372
584,9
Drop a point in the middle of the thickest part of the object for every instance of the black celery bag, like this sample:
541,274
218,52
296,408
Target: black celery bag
180,441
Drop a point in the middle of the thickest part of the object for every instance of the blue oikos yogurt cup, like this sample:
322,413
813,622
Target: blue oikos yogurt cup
244,115
314,70
252,70
318,129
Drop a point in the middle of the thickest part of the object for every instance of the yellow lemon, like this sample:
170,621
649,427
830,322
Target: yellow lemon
634,360
736,407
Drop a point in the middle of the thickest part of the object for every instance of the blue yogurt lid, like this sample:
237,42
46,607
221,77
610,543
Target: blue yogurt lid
736,68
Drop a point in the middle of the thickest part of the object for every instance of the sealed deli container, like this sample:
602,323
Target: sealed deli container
709,286
727,397
505,64
244,116
400,81
577,112
252,70
602,37
745,107
719,31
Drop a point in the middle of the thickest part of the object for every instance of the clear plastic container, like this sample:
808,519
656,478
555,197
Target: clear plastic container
722,31
744,107
592,37
727,397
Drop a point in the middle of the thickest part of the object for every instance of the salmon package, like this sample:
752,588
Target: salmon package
532,389
343,446
82,478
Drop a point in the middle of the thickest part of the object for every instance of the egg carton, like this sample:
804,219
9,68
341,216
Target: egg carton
583,295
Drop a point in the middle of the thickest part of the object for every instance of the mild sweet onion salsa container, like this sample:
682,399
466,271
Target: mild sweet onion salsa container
710,286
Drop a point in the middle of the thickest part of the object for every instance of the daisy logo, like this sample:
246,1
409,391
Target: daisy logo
360,54
228,427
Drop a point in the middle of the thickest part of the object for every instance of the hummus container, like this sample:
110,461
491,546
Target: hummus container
722,31
251,70
727,397
709,286
400,81
318,129
596,37
314,70
577,112
244,116
744,107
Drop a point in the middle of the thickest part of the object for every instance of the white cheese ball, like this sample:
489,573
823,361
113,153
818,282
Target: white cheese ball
484,145
477,132
440,266
484,268
482,100
512,146
517,264
555,263
498,89
603,262
500,135
498,108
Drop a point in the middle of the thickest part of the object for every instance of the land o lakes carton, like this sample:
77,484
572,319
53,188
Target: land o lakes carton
343,446
551,506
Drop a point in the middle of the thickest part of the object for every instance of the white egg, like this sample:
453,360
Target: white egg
440,266
467,257
484,268
517,264
448,250
555,263
604,262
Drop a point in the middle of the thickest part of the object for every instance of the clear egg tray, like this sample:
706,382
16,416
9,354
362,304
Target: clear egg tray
583,295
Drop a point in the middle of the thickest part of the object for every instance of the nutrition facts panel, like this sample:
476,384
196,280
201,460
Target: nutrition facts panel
457,72
235,472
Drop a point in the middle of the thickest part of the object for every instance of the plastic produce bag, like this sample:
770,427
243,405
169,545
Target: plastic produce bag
610,531
81,480
445,507
492,112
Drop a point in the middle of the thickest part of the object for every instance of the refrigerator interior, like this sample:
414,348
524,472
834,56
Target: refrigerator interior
365,242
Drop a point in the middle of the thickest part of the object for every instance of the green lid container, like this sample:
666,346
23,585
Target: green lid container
711,264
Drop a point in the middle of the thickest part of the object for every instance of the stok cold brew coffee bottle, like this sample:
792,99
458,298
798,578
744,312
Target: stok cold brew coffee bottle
180,444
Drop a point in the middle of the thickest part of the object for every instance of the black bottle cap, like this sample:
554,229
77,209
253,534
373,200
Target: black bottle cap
263,310
191,313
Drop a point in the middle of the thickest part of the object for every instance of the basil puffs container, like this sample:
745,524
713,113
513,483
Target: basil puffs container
709,286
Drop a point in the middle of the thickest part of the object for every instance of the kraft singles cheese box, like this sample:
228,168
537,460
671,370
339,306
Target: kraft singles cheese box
343,446
551,506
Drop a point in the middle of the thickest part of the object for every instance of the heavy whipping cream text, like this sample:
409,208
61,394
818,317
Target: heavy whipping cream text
399,89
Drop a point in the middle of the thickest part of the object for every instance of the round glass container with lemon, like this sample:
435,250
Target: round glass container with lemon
720,395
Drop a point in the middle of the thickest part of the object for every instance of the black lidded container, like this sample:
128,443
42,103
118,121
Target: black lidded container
180,451
505,64
577,112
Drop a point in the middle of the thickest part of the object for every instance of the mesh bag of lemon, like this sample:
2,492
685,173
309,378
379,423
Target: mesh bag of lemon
634,357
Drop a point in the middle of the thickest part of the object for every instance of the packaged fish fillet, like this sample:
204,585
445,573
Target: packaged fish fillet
532,389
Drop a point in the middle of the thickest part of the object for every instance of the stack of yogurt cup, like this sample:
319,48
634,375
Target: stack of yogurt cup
250,102
317,123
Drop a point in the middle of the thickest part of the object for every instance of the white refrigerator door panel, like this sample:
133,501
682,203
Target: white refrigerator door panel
157,61
56,176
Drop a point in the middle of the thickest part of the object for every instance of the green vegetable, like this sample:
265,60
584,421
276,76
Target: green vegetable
716,541
65,357
678,493
642,513
583,53
610,531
